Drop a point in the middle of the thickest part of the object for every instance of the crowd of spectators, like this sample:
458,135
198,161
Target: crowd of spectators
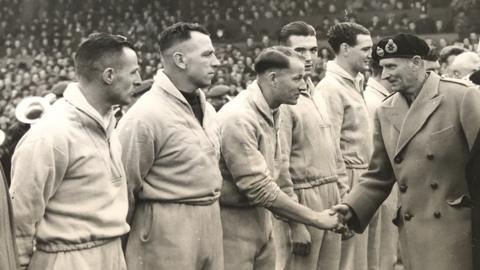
37,53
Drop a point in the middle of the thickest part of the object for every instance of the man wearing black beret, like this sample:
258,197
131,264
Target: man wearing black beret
423,135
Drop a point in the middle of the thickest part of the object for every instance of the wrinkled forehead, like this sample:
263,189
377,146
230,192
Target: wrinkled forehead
393,61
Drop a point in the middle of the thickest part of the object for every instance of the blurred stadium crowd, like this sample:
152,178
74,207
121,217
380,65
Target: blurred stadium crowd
37,54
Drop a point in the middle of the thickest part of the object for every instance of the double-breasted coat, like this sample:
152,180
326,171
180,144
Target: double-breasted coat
425,147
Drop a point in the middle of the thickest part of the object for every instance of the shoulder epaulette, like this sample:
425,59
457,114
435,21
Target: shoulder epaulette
458,81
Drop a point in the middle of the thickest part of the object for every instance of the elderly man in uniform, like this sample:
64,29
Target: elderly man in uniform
171,153
252,160
69,191
316,169
342,90
423,135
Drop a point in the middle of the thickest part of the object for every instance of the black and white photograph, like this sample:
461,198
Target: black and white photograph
239,135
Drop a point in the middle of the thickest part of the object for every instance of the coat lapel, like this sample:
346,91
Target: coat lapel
395,111
423,106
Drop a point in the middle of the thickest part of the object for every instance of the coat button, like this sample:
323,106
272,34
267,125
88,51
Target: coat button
437,214
403,188
398,159
430,156
434,185
408,216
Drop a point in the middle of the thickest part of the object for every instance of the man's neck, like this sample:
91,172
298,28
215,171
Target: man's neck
346,66
179,82
413,94
90,92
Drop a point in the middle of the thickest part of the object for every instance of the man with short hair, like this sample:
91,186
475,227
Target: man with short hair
69,191
423,136
342,89
171,153
446,56
252,160
316,169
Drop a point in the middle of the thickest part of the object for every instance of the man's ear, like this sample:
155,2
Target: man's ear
179,59
272,78
344,49
417,60
108,75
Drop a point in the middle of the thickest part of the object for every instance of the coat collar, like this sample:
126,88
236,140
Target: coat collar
162,82
377,87
334,68
409,121
74,96
271,116
308,92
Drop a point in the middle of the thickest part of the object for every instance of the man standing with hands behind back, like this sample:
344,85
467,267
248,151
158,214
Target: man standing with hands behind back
171,153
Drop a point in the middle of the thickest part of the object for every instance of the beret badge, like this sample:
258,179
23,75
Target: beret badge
391,47
380,52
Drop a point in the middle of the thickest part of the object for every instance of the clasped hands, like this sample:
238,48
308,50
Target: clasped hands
333,219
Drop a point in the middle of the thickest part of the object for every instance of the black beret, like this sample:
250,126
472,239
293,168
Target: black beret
400,46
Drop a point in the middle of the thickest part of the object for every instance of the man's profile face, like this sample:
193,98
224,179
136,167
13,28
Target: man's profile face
306,46
126,78
290,82
360,54
200,59
400,73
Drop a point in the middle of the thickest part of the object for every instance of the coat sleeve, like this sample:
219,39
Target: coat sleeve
374,185
470,115
38,168
246,164
138,156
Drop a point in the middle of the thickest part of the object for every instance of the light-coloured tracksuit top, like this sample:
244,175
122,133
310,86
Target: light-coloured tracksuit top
68,183
309,147
251,156
168,155
348,114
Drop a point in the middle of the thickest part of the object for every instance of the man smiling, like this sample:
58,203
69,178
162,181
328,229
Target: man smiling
423,135
316,170
252,159
342,89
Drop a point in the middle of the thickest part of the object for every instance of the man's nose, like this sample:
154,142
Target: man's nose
215,61
385,74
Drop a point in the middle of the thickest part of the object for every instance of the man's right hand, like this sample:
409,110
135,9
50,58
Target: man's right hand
327,220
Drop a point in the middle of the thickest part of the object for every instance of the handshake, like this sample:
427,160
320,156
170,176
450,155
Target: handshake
335,219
